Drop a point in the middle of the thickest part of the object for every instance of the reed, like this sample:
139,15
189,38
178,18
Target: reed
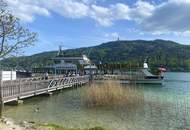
112,94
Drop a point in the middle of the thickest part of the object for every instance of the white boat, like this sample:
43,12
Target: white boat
143,76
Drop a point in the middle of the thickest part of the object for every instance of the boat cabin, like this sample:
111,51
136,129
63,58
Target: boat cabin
69,65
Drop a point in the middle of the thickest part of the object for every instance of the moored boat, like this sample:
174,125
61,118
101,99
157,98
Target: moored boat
144,76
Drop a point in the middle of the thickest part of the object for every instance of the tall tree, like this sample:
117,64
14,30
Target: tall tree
13,36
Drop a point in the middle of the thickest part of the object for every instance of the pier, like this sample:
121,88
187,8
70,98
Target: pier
24,88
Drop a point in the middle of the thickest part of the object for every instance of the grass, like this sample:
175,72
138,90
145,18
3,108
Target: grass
57,127
112,94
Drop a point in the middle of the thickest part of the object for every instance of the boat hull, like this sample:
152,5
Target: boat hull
147,81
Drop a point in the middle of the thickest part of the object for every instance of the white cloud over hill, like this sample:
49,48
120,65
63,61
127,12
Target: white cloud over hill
166,17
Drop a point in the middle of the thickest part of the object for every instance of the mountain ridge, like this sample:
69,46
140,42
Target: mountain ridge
170,54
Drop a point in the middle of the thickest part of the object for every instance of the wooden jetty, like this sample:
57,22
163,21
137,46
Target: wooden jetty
133,79
24,88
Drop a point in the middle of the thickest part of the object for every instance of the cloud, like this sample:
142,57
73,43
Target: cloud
25,10
172,16
184,34
105,16
101,14
67,8
164,17
120,11
113,35
141,11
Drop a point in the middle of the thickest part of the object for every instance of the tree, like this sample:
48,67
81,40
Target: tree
13,36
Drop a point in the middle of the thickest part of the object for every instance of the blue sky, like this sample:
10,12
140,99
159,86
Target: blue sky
82,23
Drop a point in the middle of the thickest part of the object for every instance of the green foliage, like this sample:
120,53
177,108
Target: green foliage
119,54
97,128
57,127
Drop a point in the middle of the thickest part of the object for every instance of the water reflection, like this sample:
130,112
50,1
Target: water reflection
165,108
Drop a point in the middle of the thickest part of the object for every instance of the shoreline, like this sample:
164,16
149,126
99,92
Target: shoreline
10,124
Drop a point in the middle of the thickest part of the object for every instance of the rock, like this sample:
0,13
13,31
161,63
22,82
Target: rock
24,124
7,121
45,123
10,123
32,122
37,110
28,125
33,127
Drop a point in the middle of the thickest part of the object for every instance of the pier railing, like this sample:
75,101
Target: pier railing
23,88
113,77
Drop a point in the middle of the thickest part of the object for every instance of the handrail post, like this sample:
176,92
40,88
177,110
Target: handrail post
19,91
1,95
35,87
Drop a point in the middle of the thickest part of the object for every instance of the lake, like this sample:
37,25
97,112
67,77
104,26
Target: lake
166,107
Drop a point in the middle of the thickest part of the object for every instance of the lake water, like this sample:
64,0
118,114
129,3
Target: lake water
166,107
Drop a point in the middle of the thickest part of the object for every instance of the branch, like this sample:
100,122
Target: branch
14,37
19,45
3,39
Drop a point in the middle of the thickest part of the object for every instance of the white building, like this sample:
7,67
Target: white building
7,75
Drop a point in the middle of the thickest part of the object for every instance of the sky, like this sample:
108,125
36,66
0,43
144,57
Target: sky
83,23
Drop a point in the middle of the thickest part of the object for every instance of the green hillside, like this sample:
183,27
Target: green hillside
174,56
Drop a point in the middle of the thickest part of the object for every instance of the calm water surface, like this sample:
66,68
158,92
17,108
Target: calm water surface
166,107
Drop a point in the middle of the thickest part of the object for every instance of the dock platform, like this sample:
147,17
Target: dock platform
25,88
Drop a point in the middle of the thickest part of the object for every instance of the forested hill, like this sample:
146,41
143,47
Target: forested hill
174,56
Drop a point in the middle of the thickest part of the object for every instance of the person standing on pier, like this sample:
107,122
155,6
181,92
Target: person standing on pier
46,76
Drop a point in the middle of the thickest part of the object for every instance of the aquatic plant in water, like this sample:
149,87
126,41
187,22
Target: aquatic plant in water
112,94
